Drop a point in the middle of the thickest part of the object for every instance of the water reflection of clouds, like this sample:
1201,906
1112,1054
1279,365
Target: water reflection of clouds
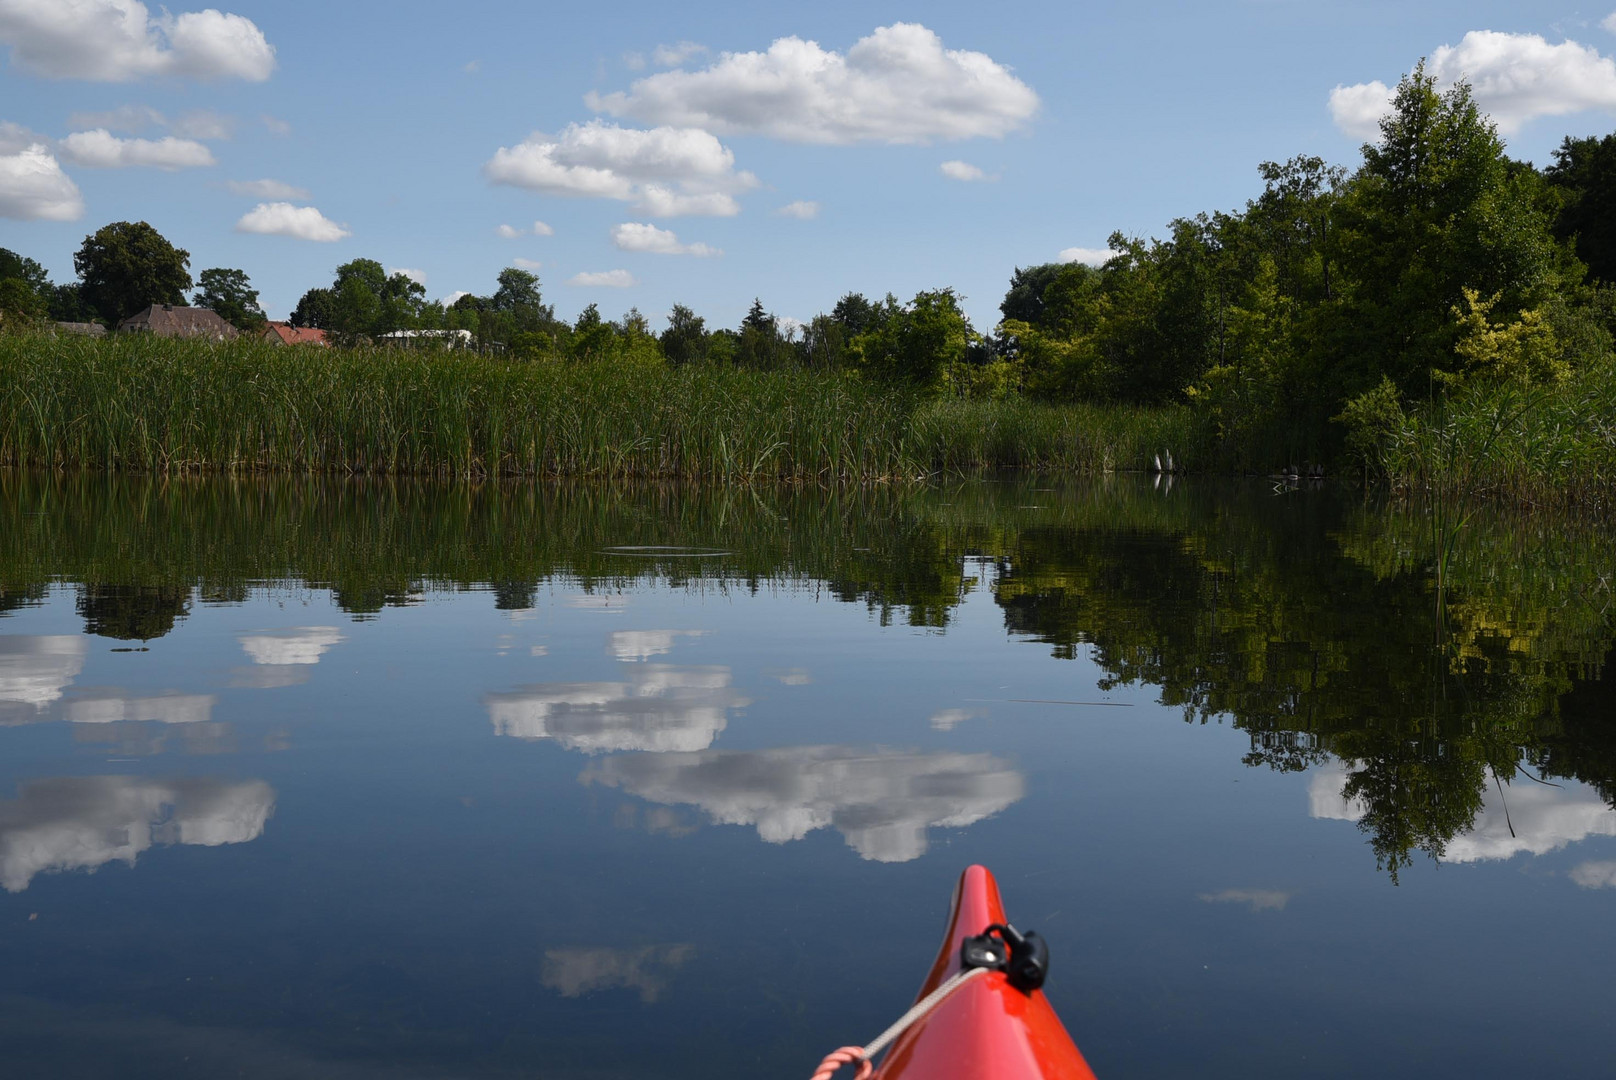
35,669
881,801
108,705
789,676
297,645
633,645
1256,899
576,972
1595,874
84,822
1530,818
659,708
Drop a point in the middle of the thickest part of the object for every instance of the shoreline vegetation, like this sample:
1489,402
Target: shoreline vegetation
1440,321
137,403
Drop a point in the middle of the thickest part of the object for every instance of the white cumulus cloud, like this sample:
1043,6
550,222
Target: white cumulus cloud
511,232
881,801
660,708
85,822
33,186
640,236
100,149
610,279
674,55
1516,78
120,40
1595,874
801,209
1256,899
34,669
417,276
1357,109
204,124
576,972
275,190
898,85
298,645
526,264
666,171
129,119
108,706
1087,256
276,125
284,219
1609,22
961,170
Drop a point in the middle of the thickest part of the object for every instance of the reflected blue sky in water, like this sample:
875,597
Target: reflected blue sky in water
621,827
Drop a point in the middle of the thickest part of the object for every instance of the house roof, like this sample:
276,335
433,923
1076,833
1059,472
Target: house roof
176,320
287,334
89,329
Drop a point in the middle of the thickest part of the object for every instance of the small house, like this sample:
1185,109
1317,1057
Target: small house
179,321
282,333
85,329
452,339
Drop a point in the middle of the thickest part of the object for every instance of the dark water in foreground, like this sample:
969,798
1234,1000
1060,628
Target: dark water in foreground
310,780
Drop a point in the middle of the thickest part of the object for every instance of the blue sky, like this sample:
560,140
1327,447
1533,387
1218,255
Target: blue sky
923,145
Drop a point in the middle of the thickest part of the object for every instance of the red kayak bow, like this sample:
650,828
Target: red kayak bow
987,1028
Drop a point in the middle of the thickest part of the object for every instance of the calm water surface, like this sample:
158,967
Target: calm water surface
344,780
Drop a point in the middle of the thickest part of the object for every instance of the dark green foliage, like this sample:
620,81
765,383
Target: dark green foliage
760,345
1584,173
1024,302
685,339
20,305
231,295
32,274
132,612
317,309
854,314
126,267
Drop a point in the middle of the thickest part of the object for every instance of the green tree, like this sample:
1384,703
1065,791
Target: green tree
231,295
127,266
855,314
20,306
13,265
1584,172
685,339
1025,299
1436,208
761,345
915,343
317,309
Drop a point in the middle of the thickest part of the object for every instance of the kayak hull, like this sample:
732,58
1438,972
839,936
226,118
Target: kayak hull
986,1029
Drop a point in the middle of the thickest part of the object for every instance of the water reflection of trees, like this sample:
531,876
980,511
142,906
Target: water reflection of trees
1304,619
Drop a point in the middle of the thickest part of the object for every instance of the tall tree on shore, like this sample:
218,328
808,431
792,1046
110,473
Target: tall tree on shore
316,309
127,266
685,339
231,295
1436,208
1584,171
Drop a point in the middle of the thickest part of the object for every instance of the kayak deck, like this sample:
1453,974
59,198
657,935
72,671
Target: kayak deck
986,1029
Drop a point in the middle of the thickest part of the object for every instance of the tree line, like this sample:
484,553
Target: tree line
1328,303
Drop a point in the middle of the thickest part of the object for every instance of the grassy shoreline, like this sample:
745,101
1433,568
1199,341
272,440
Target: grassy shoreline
148,405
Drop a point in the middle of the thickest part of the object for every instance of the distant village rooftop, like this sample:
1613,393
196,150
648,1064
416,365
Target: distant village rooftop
283,333
178,321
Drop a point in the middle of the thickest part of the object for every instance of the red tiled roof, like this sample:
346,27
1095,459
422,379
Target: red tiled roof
287,334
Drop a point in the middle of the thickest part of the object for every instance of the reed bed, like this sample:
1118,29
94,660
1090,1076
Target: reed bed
142,404
1550,446
956,435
